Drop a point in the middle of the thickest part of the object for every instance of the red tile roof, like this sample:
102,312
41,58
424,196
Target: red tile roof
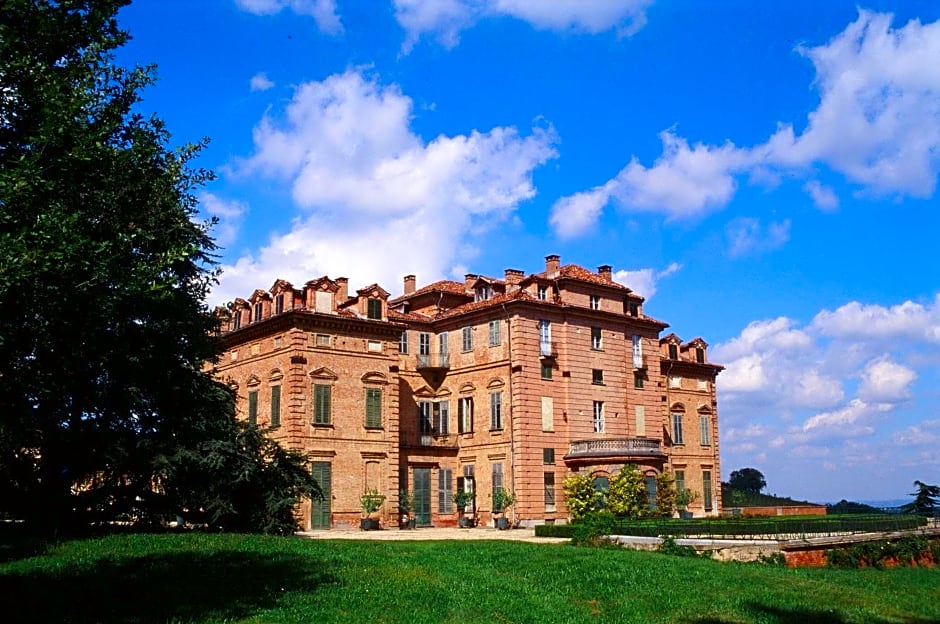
448,286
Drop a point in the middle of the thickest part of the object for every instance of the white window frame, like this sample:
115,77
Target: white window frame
598,417
496,410
467,339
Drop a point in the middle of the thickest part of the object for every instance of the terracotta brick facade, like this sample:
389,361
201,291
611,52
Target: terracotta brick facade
515,382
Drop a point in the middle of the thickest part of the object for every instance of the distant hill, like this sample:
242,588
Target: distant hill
738,498
851,507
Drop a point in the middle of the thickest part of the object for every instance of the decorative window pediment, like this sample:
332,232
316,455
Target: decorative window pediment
677,407
424,392
443,392
324,373
253,380
276,374
374,377
467,387
495,383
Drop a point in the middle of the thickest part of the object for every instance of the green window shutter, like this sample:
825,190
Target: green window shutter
321,414
252,407
374,310
275,406
373,407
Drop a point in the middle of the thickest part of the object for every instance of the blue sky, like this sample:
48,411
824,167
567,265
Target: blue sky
767,177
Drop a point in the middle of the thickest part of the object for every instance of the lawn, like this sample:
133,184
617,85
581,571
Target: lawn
233,578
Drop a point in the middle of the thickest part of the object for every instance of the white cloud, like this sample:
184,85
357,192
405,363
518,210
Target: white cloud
445,19
857,320
228,213
576,214
747,237
261,82
886,381
363,179
849,421
877,123
322,11
745,374
773,336
823,196
644,281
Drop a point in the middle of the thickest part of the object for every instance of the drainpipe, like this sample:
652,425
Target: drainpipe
512,444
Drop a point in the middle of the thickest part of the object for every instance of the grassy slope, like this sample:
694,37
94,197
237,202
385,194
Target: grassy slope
214,578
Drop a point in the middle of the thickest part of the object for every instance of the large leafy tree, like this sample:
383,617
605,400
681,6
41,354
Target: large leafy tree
748,480
105,405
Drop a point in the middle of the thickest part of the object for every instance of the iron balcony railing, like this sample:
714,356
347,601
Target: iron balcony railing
615,447
433,360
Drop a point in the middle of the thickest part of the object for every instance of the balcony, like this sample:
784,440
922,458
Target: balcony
547,349
435,442
433,362
614,449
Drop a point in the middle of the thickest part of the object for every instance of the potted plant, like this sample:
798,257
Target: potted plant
371,502
683,499
406,503
462,500
502,499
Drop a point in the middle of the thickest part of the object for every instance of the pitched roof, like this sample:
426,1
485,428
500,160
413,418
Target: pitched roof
448,286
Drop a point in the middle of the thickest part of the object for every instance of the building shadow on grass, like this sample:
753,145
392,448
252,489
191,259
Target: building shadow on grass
159,588
777,615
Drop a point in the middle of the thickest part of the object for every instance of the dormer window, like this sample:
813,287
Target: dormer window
374,309
258,310
543,292
237,319
673,351
483,293
279,304
700,355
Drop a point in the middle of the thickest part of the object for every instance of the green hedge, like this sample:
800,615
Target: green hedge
771,528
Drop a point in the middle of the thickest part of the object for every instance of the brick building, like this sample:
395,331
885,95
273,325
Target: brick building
514,382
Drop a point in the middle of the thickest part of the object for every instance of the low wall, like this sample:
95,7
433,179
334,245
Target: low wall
794,510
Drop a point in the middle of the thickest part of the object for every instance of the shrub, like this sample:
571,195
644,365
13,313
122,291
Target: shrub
580,496
627,497
669,546
593,529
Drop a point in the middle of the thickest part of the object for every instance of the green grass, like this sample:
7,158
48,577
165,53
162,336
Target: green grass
232,578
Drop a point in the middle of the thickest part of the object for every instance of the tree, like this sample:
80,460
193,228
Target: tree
627,496
106,404
749,480
925,499
580,496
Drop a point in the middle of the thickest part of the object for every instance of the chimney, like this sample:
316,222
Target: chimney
513,277
409,284
343,293
552,263
604,270
469,278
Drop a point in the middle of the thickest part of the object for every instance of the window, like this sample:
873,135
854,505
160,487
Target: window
237,320
545,337
403,343
637,352
494,333
465,414
279,304
700,355
707,489
546,370
373,407
483,292
598,417
677,428
468,339
252,407
704,428
424,343
543,292
680,481
548,456
278,342
442,346
651,492
597,377
634,308
496,410
275,406
323,340
424,416
374,308
595,302
445,491
497,479
259,308
322,394
442,418
597,340
549,483
638,380
673,351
